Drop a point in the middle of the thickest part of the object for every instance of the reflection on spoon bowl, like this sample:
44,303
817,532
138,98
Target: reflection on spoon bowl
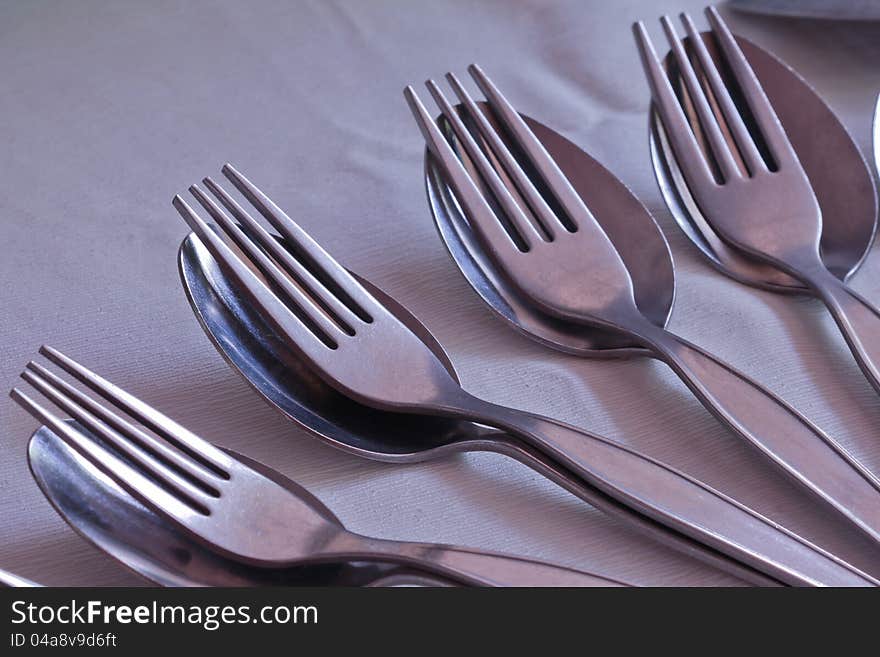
113,521
624,219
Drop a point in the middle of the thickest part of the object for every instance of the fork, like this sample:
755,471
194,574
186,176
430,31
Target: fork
559,258
236,509
747,178
360,348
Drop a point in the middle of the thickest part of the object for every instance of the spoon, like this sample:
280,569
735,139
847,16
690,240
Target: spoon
771,214
253,348
840,178
113,521
233,508
251,345
571,275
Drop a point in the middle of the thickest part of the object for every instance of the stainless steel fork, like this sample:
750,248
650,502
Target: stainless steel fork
561,260
357,346
233,508
748,181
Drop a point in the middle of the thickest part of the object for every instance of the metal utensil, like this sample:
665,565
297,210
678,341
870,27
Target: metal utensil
379,361
877,136
838,173
560,258
255,350
638,240
233,508
11,580
104,514
749,182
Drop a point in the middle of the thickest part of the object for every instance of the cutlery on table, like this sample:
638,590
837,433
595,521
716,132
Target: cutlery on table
275,371
11,580
748,182
154,548
557,256
352,341
839,175
233,508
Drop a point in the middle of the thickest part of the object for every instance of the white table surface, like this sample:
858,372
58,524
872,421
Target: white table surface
107,109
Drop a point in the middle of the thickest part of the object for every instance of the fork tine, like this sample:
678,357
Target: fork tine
719,146
271,270
325,267
549,220
527,231
193,469
139,485
546,166
264,299
744,142
479,214
329,301
675,124
194,494
763,112
161,424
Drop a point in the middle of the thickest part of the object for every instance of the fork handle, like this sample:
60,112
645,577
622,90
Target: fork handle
465,565
858,320
785,436
675,499
544,465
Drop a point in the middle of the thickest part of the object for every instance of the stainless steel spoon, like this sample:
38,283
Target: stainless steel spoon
254,349
570,273
762,551
834,164
233,508
113,521
746,176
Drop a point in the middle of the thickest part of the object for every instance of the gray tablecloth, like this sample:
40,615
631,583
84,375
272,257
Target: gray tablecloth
107,109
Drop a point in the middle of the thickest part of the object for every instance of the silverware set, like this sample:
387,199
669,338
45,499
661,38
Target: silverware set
234,509
749,183
573,273
557,246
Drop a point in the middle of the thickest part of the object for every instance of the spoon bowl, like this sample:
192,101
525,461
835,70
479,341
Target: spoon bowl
281,377
223,316
254,350
104,514
837,171
629,226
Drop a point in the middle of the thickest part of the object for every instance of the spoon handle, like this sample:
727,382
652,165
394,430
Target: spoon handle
569,480
789,439
859,321
466,565
675,499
